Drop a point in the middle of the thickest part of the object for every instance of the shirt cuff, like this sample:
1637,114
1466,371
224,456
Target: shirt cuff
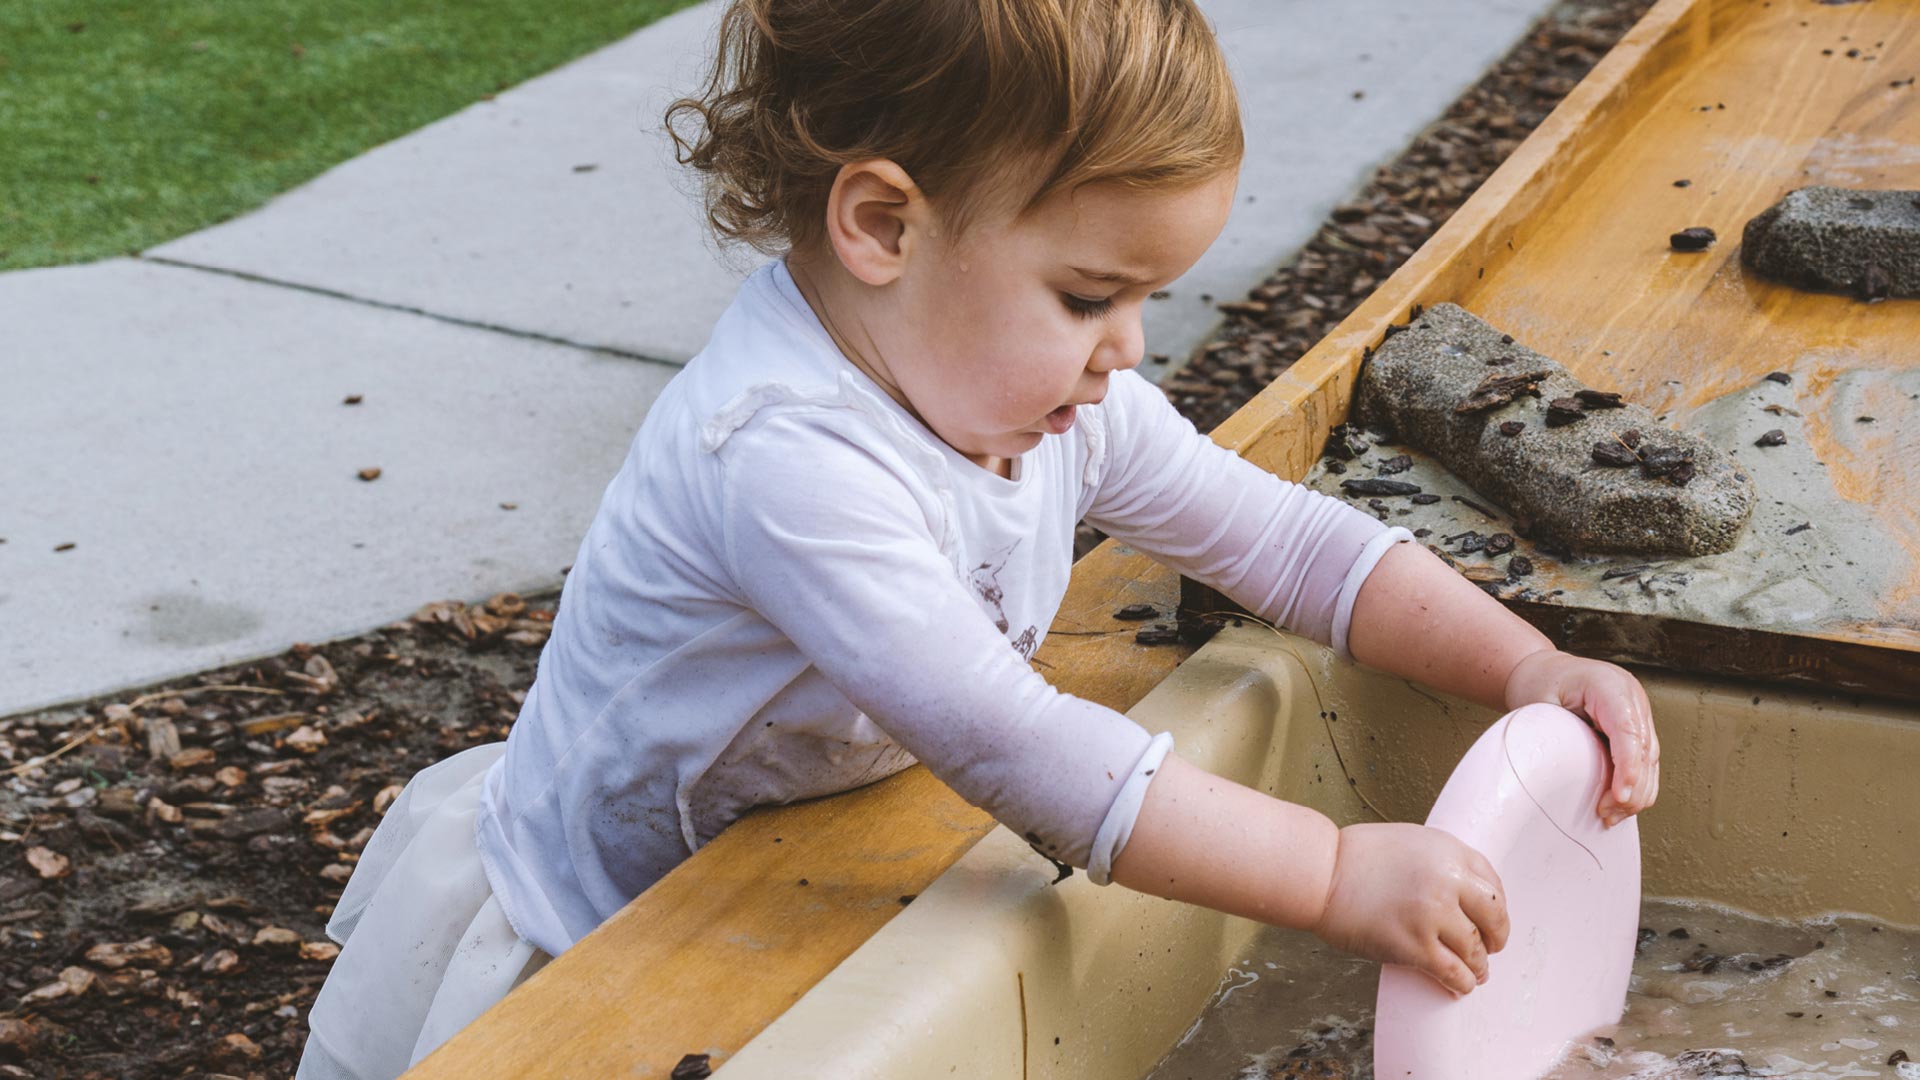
1356,577
1111,838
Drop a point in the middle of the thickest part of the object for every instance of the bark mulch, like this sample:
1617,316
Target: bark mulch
168,859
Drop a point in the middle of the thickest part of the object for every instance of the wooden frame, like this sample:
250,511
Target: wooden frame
714,952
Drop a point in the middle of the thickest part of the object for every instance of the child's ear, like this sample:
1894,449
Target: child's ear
875,214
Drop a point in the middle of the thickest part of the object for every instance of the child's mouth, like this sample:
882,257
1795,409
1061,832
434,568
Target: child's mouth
1061,419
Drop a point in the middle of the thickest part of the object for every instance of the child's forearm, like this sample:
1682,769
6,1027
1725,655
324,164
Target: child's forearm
1418,619
1212,842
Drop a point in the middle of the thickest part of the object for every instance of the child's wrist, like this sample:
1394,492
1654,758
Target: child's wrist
1521,687
1316,919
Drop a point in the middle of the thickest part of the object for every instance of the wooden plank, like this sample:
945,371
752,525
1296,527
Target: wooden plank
1824,663
720,947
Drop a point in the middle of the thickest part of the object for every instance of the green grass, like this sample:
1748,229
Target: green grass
126,123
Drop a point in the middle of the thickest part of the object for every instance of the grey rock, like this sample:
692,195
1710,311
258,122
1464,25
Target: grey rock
1547,475
1866,243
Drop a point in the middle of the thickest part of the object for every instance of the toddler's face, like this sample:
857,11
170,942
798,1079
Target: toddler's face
1021,320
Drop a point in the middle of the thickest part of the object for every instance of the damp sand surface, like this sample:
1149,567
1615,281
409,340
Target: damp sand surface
1830,548
1715,993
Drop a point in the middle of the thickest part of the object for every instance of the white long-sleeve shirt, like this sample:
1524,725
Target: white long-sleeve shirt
793,588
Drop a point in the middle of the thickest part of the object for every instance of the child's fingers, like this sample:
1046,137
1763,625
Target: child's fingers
1636,752
1625,715
1448,969
1653,755
1481,900
1463,938
1653,786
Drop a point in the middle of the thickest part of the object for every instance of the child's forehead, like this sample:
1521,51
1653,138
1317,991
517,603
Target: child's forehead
1125,235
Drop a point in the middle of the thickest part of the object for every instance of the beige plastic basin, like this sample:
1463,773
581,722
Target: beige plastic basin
1780,803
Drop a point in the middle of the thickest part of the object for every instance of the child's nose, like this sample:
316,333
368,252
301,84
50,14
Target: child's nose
1121,348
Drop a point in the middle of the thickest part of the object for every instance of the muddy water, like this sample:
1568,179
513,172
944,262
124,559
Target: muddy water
1715,993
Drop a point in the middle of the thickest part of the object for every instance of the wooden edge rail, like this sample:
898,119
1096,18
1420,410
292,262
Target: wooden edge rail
719,948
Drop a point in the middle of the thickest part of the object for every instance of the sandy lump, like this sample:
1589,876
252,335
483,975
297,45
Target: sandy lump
1579,465
1863,243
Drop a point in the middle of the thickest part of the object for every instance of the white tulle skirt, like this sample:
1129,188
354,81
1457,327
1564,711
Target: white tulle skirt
425,948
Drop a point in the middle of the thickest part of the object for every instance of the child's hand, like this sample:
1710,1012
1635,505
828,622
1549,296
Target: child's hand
1613,701
1407,894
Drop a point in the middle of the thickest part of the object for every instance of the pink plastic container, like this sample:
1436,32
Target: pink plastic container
1524,796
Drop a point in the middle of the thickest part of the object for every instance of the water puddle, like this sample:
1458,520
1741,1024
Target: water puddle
1715,993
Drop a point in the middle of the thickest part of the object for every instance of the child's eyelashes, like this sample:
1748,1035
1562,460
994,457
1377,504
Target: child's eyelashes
1085,308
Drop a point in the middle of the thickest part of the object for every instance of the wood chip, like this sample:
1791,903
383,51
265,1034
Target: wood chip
1697,238
1562,411
163,739
1375,486
78,980
52,991
385,798
330,815
48,863
116,955
267,725
307,739
191,758
275,935
506,605
231,775
318,950
1497,390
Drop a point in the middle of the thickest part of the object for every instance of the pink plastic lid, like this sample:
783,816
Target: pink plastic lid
1524,796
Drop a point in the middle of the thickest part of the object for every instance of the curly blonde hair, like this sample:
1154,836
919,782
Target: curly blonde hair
978,100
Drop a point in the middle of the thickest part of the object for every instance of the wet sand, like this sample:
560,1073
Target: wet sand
1714,993
1829,547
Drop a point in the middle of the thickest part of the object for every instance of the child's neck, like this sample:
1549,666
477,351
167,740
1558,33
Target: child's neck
846,307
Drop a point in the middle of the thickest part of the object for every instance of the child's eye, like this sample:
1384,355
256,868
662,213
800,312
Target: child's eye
1085,308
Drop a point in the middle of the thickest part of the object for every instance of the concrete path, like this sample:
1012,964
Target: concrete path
508,289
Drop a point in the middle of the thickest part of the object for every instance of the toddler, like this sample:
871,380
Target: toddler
845,527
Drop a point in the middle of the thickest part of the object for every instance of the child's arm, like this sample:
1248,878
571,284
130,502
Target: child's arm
1404,894
1418,619
1307,562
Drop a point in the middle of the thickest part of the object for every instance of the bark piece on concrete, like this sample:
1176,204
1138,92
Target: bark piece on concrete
1863,243
1547,475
